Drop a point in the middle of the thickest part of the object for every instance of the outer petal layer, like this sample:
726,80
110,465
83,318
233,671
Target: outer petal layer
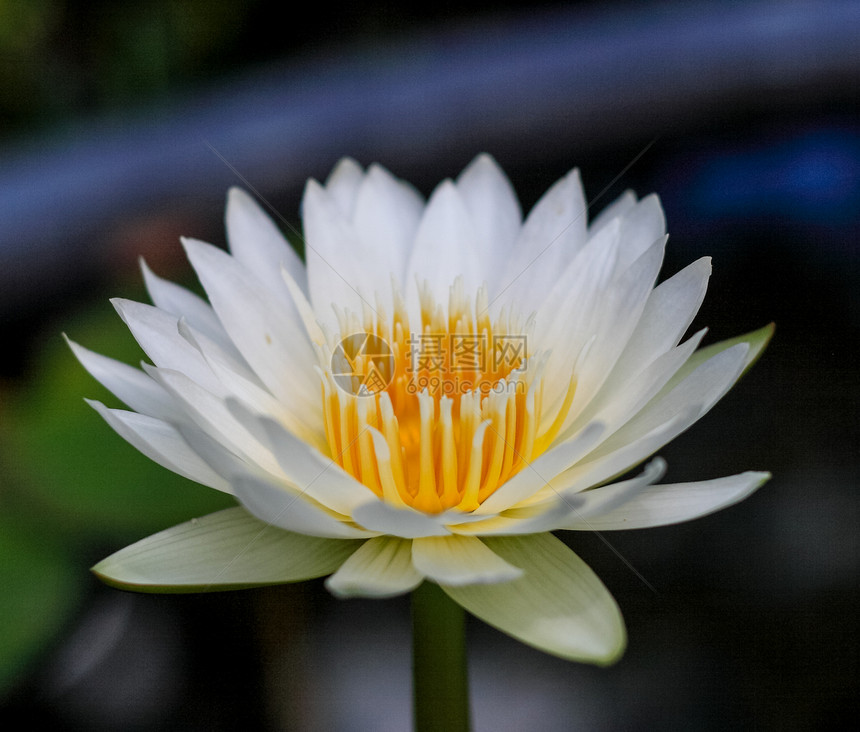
382,567
227,550
460,560
559,605
660,505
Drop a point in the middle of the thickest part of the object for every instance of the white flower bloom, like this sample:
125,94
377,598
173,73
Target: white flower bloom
512,369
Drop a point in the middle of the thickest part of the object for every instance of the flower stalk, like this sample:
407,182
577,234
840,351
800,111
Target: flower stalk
439,670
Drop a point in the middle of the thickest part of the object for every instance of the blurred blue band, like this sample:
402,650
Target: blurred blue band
527,85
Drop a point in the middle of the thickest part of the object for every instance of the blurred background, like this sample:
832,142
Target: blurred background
121,128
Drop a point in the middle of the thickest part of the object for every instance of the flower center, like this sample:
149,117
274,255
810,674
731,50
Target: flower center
439,416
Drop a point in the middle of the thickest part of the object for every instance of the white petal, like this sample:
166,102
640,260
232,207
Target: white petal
269,335
161,443
182,303
618,207
258,244
660,505
309,470
552,235
755,341
243,385
460,560
641,226
158,335
589,473
305,310
444,246
289,510
495,212
129,384
617,401
559,605
222,460
332,253
670,309
406,523
661,420
342,185
618,314
568,323
225,550
595,501
547,518
387,212
210,414
382,567
704,386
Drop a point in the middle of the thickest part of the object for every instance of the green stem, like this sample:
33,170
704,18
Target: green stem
439,674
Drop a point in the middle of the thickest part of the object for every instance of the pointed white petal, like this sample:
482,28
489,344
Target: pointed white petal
258,244
559,507
559,605
182,303
332,253
569,323
376,515
670,309
242,384
309,470
382,567
641,225
495,212
221,459
660,505
552,235
287,509
161,443
222,551
131,385
755,341
305,310
710,381
618,207
158,335
387,212
444,246
617,401
547,518
342,185
210,414
269,335
460,560
595,501
620,309
671,412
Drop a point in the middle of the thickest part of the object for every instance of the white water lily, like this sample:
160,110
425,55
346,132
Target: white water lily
444,472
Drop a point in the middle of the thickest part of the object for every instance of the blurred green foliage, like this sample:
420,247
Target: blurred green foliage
59,58
72,490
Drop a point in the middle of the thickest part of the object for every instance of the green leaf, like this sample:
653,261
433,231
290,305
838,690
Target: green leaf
559,605
227,550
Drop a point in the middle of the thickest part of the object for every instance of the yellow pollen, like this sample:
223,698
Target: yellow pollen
439,417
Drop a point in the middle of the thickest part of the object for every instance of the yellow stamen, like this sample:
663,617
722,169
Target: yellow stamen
460,414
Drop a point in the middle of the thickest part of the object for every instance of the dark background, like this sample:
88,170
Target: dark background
122,127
